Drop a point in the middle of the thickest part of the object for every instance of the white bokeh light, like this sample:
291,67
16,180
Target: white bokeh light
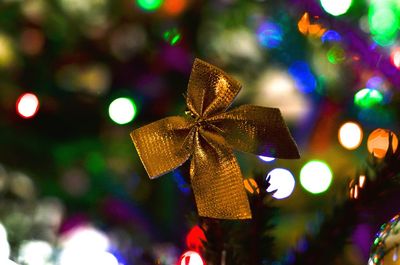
86,245
315,177
35,253
122,110
336,7
282,181
350,135
4,246
267,158
191,258
27,105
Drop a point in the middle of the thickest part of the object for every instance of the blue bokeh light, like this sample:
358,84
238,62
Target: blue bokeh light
331,36
270,34
303,76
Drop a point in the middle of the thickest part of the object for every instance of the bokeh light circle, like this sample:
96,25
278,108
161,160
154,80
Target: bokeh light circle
368,97
282,181
378,142
395,57
191,258
266,158
336,7
149,5
350,135
27,105
122,110
315,177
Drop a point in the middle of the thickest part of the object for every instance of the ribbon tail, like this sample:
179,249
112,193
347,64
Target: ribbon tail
216,179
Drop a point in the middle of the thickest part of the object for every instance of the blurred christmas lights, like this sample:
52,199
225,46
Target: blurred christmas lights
4,246
383,22
336,8
191,258
270,34
367,97
251,186
350,135
282,182
27,105
395,57
331,36
378,142
303,76
195,238
336,54
172,36
86,245
35,253
122,110
149,5
174,7
315,176
310,29
266,158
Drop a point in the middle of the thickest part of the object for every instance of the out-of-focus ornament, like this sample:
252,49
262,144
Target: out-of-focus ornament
316,177
207,135
385,249
191,258
336,8
350,135
378,142
122,110
27,105
310,29
251,186
195,238
282,182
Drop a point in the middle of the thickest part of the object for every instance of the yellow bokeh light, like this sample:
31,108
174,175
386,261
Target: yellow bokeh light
378,142
350,135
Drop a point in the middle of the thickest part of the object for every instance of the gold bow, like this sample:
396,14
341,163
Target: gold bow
208,135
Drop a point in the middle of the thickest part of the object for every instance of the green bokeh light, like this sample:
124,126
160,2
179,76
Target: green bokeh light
315,177
122,110
383,23
366,98
336,55
172,36
149,5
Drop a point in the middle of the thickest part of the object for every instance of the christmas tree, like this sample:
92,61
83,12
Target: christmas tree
77,77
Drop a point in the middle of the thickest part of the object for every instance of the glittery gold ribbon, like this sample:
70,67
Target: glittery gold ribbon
208,135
